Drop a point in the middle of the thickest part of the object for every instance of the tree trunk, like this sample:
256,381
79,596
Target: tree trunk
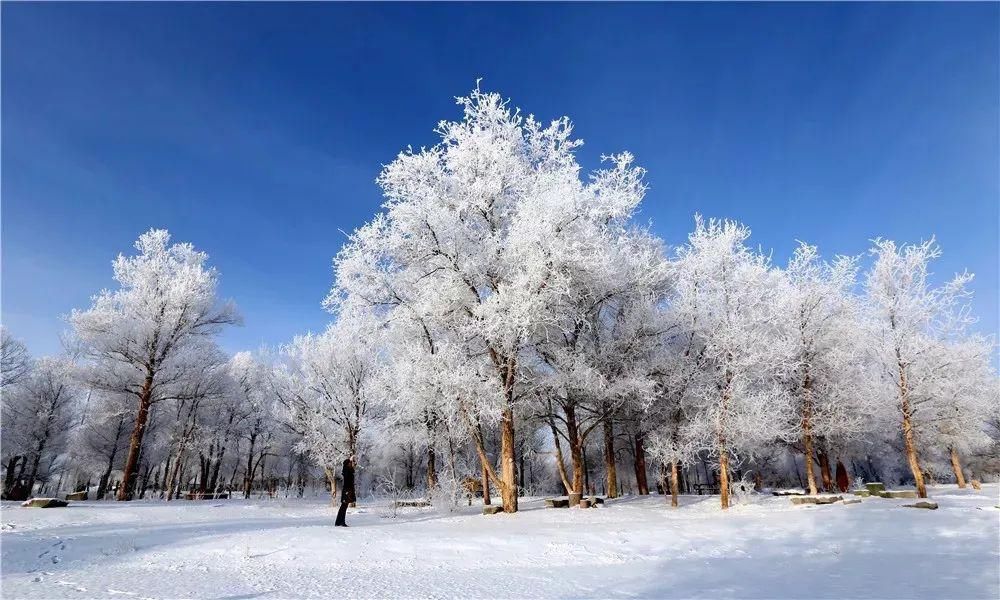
843,483
909,440
486,482
33,474
807,438
674,484
609,458
508,472
135,441
956,466
248,476
640,466
432,477
9,478
332,479
213,482
724,475
575,492
560,465
824,469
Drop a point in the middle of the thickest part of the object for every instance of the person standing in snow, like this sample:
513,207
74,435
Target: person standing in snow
346,494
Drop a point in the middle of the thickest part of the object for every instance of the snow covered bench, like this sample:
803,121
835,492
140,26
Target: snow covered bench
44,503
816,499
206,496
711,488
557,503
412,503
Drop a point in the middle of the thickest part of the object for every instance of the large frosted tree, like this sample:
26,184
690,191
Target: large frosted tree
826,366
908,318
156,331
726,296
474,238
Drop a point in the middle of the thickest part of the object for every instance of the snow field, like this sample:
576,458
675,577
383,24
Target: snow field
633,547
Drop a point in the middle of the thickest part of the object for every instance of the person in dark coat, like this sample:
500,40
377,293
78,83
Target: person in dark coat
347,496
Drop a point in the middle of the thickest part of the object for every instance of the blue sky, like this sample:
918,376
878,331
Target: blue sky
256,131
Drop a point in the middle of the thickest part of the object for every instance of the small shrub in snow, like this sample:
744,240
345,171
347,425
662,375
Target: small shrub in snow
743,491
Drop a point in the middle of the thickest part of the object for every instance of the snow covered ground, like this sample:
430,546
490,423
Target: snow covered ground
630,548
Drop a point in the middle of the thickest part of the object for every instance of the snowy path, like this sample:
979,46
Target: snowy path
631,548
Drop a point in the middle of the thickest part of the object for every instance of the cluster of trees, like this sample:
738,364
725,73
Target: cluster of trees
503,319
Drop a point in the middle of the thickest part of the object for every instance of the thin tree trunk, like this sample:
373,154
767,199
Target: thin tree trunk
724,451
9,478
909,439
486,482
824,469
807,438
956,466
248,476
609,458
560,465
640,466
332,479
33,474
674,484
724,476
432,478
135,441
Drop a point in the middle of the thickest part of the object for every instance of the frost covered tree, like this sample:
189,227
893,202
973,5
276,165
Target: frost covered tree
908,318
335,389
726,295
676,368
478,228
954,391
592,360
186,431
156,330
826,368
101,440
253,417
15,361
38,417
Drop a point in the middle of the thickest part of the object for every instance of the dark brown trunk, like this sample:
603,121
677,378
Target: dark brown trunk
9,477
576,454
824,469
432,478
135,441
640,466
248,476
843,483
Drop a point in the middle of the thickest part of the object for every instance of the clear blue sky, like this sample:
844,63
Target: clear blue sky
256,131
